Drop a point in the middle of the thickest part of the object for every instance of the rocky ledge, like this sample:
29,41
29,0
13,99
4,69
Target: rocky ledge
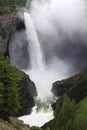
75,87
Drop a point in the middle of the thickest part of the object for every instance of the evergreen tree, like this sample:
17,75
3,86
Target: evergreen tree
64,117
9,95
80,122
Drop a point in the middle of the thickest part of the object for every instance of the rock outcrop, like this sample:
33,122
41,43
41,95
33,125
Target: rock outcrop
75,87
8,24
13,124
27,92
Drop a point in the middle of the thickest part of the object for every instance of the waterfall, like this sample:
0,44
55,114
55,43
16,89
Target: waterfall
38,73
42,76
34,45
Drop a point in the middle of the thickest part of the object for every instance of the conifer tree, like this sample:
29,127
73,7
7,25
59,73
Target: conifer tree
9,95
65,115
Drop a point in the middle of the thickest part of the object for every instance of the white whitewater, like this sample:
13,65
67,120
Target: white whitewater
38,118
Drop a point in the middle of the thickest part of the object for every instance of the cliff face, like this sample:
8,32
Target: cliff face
75,87
8,24
27,92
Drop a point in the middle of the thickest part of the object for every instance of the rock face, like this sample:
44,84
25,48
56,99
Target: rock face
8,24
28,85
75,87
27,92
59,89
13,124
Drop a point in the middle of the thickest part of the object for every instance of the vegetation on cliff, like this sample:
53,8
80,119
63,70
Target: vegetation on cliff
14,98
10,5
12,2
9,97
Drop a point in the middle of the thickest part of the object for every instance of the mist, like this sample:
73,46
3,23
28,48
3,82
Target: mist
62,30
18,50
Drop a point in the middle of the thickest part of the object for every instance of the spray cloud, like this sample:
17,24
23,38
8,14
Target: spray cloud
62,30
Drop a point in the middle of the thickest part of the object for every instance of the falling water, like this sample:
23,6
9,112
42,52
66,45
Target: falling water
38,72
34,46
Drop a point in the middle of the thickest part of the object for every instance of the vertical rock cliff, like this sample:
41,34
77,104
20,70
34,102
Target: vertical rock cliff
8,24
